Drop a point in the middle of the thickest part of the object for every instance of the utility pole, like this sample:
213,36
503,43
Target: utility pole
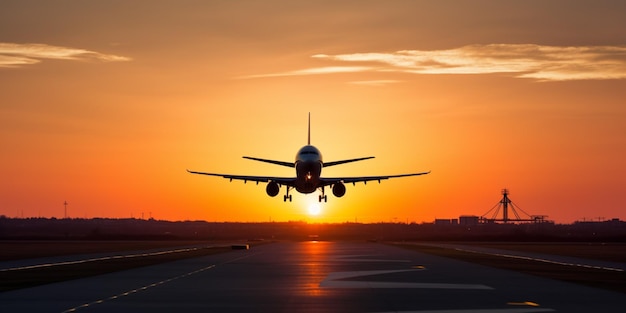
65,205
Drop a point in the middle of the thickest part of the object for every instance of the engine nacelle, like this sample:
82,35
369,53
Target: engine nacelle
339,189
272,189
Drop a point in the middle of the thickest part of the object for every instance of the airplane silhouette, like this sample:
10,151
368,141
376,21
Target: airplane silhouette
308,165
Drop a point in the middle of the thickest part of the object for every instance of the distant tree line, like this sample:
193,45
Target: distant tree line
140,229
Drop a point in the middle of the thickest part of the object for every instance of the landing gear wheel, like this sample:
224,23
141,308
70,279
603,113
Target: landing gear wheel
323,196
287,196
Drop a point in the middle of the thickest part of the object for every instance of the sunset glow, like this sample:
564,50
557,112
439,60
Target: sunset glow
105,106
315,209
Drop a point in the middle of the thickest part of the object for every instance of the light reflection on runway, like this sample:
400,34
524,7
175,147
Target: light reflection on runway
314,253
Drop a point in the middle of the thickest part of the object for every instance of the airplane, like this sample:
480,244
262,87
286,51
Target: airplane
308,166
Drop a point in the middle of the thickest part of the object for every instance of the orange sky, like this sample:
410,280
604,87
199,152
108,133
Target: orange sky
105,104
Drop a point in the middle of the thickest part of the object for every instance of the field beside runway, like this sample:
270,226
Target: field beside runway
595,276
28,249
606,251
92,258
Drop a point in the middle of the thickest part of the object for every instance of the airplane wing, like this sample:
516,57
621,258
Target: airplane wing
287,181
330,181
326,164
288,164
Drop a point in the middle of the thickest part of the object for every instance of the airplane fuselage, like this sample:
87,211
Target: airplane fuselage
308,169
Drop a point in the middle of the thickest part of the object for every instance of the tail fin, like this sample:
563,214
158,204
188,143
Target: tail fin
309,139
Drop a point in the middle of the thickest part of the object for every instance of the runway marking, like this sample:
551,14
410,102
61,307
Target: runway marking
516,310
113,257
521,257
337,280
351,274
359,258
526,303
143,288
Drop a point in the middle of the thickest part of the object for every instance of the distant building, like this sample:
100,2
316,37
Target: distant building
445,221
468,220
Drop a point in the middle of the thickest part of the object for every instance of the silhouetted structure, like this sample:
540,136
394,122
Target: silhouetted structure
504,205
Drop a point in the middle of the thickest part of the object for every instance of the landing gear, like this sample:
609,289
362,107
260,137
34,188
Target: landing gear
287,196
323,196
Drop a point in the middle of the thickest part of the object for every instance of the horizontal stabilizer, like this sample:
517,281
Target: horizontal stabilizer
346,161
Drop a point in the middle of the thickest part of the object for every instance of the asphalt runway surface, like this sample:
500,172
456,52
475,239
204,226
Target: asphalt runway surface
314,277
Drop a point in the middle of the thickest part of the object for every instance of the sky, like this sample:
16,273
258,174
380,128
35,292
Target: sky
105,104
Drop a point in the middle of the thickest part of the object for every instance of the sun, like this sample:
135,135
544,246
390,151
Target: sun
315,209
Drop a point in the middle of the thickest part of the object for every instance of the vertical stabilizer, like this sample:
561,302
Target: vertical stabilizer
309,138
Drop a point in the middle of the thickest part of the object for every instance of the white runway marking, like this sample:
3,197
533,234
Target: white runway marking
130,292
516,310
113,257
521,257
337,280
127,293
359,258
344,275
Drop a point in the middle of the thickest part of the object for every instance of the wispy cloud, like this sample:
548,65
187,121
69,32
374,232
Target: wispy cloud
543,63
15,55
315,71
380,82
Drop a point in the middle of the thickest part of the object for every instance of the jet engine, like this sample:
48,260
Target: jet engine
339,189
272,189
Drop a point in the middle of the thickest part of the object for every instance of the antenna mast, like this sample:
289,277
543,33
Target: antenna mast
507,206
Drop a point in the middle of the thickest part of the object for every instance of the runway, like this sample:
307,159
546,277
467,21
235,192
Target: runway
314,277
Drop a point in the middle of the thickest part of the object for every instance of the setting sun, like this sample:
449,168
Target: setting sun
315,208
